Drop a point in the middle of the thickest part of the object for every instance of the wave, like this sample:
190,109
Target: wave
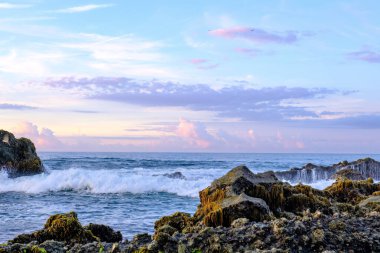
101,181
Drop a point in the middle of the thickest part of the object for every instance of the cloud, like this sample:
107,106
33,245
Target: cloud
84,8
248,51
193,133
203,63
44,139
233,102
13,6
257,35
197,61
365,55
6,106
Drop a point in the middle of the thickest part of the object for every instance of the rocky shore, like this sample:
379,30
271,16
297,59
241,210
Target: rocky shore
239,212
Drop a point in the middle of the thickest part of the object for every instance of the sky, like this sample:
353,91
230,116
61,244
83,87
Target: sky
192,76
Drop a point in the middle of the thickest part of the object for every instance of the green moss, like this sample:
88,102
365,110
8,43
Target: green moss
196,251
141,250
350,191
36,249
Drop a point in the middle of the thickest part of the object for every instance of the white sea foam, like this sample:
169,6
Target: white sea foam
101,181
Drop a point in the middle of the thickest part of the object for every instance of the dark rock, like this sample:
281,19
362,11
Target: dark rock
175,175
367,168
18,156
104,233
348,174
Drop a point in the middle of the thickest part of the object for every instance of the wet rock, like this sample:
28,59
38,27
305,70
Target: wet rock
18,156
348,174
175,175
59,227
367,168
104,233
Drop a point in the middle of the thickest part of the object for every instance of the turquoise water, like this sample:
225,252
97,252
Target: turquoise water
127,190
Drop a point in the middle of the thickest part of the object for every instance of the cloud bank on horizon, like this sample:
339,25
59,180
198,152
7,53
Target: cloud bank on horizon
277,76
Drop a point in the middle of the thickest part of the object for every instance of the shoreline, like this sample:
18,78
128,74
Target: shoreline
238,212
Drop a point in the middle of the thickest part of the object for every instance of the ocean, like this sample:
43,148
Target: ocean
128,191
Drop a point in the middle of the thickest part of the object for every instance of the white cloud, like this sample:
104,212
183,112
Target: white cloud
13,6
84,8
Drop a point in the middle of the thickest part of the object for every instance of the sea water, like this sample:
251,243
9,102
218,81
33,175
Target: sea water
128,191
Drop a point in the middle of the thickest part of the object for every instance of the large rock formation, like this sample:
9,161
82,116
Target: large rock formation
243,194
18,156
357,170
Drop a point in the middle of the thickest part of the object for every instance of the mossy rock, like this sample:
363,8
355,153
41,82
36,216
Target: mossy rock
60,227
350,191
104,233
178,221
18,156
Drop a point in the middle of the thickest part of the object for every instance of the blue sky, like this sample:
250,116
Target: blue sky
207,76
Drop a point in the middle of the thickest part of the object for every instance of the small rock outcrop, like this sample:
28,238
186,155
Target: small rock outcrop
18,156
356,170
104,233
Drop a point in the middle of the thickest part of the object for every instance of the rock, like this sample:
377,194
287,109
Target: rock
372,199
18,156
367,168
348,174
240,222
104,233
177,220
175,175
59,227
242,206
262,194
353,192
53,246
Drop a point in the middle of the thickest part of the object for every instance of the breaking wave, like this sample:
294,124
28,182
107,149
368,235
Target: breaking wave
101,181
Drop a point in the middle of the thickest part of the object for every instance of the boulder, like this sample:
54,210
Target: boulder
243,194
18,156
59,227
104,233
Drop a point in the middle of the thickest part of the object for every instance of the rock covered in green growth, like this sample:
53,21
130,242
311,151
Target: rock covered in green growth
104,233
18,156
178,221
60,227
349,191
258,195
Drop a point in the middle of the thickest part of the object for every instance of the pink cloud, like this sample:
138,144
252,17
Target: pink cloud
256,35
189,131
43,139
203,64
289,143
197,61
